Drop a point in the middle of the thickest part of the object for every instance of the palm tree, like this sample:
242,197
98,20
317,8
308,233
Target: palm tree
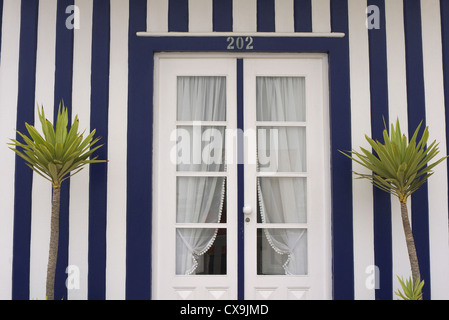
399,167
56,156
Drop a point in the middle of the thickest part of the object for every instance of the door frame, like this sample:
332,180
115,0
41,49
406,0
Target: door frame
239,58
140,119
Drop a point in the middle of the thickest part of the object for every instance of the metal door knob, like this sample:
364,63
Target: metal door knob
247,210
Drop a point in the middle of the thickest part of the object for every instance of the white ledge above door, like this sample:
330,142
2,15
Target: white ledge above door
244,34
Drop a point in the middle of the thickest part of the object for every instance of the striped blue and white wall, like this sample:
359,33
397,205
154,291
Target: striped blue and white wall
103,71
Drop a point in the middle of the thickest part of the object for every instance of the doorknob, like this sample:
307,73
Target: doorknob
247,210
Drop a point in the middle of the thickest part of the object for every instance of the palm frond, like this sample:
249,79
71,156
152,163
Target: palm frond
56,152
398,166
410,290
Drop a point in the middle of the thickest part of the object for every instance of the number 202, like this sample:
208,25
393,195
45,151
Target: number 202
240,43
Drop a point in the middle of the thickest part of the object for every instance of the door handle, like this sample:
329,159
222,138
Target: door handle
247,210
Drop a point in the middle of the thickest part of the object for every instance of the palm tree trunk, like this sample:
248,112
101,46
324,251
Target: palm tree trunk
54,238
410,243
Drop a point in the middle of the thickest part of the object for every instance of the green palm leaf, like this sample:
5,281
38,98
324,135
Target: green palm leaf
398,167
58,151
410,290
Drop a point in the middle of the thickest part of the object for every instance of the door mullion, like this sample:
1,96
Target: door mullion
240,184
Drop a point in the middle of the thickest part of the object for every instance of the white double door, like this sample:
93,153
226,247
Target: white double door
241,178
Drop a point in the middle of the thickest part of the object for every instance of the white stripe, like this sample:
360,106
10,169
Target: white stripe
397,101
157,15
361,125
397,88
200,15
117,137
244,14
284,16
435,120
79,184
8,113
321,16
41,194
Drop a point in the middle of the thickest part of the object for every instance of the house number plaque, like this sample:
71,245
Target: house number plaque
240,43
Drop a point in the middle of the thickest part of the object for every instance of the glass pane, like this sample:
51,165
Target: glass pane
281,149
282,200
201,99
281,99
200,199
200,148
282,251
200,251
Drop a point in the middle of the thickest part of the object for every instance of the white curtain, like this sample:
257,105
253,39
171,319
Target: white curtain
199,199
281,99
201,98
283,200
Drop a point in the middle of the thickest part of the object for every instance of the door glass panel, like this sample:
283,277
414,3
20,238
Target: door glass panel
282,251
200,148
200,251
281,149
280,99
200,199
201,98
282,200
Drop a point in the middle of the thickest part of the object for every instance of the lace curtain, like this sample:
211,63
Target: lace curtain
283,200
199,199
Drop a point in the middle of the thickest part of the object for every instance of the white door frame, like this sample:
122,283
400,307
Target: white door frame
158,177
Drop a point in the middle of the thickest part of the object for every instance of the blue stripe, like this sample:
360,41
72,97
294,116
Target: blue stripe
98,172
444,11
222,15
383,252
1,24
139,155
416,114
240,184
178,15
265,16
63,91
303,15
23,175
341,184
